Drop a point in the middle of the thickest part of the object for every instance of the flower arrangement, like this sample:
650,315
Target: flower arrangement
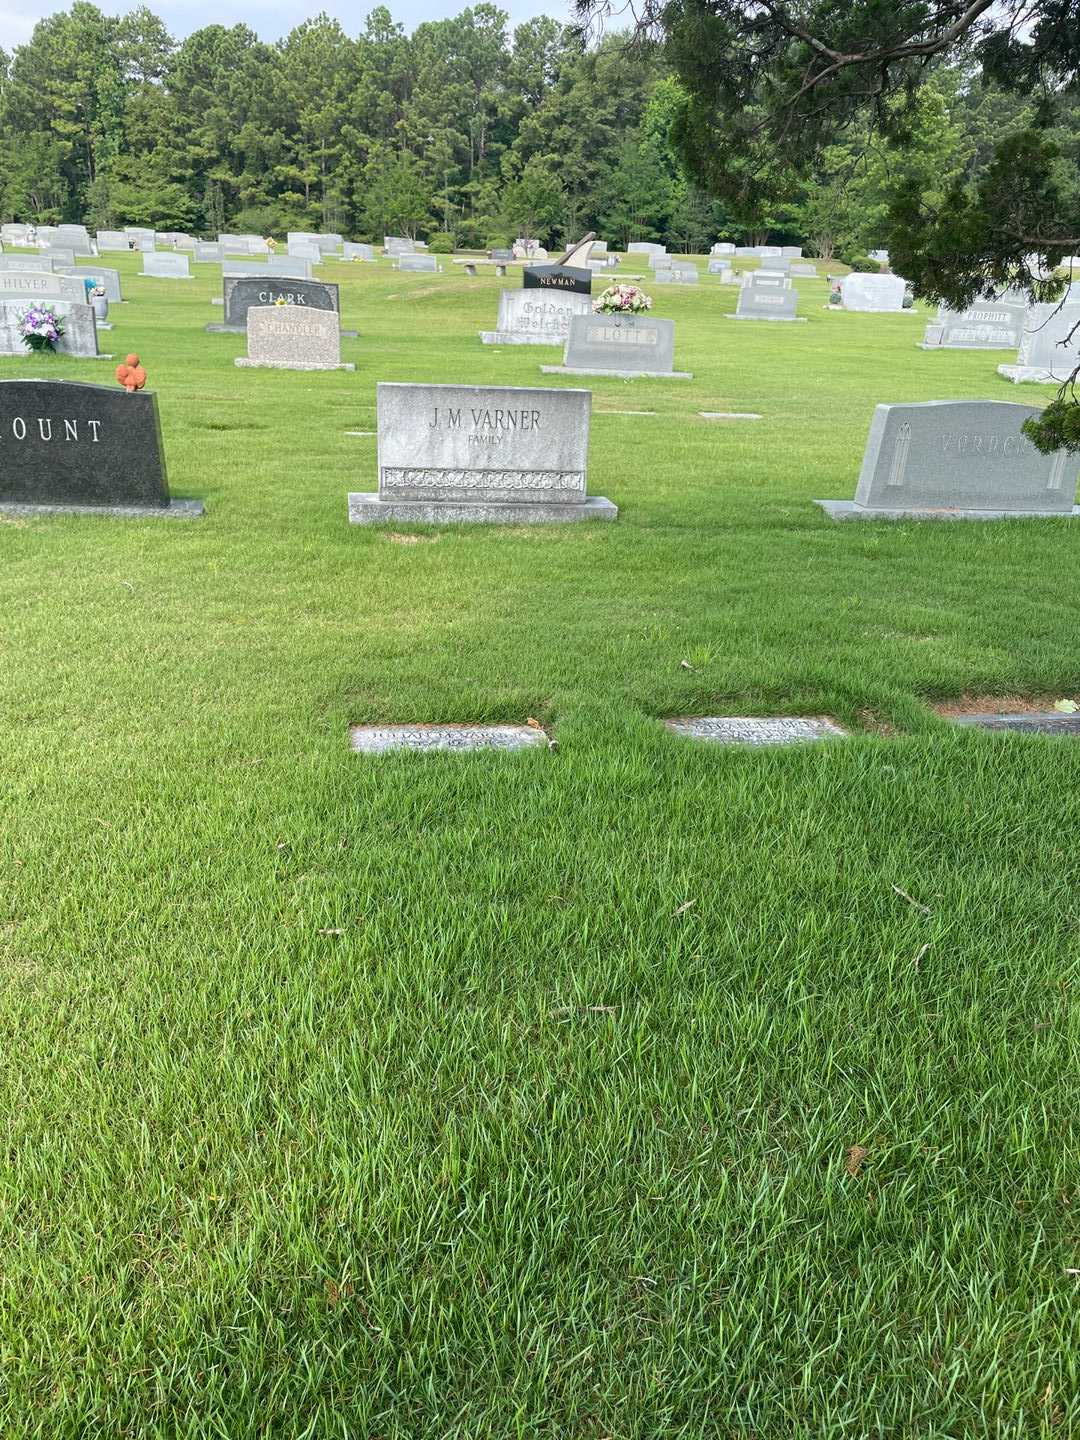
40,327
622,300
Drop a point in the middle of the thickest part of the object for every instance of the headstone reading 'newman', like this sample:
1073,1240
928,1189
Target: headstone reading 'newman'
985,325
291,337
957,459
244,291
622,345
80,328
166,265
79,447
880,293
452,453
1050,348
570,273
532,317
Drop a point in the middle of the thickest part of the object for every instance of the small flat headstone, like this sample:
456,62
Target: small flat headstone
1031,723
379,739
744,730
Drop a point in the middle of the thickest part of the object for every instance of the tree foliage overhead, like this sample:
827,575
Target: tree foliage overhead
782,93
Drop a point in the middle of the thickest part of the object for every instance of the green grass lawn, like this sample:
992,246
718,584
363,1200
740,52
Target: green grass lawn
446,1098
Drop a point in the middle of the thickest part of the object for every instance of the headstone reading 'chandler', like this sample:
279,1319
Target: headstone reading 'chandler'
530,317
957,459
80,328
244,291
166,265
622,345
292,337
1050,348
569,273
69,446
985,325
464,452
764,302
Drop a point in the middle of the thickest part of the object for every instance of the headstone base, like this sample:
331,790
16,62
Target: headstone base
848,510
175,510
619,374
368,508
520,337
1030,375
245,364
772,319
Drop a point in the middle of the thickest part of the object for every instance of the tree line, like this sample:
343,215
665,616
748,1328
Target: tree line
464,129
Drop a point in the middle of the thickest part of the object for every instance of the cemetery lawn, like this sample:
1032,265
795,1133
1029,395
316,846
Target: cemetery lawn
635,1089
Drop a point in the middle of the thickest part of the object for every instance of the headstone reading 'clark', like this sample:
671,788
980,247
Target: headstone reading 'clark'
292,337
626,346
450,453
532,317
243,292
86,448
957,459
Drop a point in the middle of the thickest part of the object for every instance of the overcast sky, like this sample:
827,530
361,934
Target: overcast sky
268,20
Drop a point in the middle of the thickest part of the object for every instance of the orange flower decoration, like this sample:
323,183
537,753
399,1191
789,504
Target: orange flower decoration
131,374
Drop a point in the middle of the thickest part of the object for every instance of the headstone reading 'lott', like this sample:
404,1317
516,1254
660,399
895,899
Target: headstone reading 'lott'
166,265
530,317
291,337
450,453
570,273
957,459
986,325
626,346
79,339
84,448
1050,348
243,292
879,293
763,302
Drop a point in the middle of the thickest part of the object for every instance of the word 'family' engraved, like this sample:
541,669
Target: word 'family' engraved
482,479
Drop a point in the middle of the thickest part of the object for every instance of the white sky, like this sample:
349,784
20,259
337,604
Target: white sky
268,20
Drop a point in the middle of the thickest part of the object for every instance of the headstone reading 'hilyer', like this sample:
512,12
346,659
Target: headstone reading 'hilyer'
569,273
292,337
957,459
1050,348
626,346
94,448
451,453
532,317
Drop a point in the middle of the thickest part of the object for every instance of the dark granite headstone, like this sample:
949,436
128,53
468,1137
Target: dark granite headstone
63,443
242,292
557,277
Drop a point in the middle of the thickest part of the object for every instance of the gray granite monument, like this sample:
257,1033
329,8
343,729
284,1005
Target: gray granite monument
450,453
535,317
985,325
292,337
80,328
1050,348
957,460
763,302
626,346
67,446
244,291
878,293
166,265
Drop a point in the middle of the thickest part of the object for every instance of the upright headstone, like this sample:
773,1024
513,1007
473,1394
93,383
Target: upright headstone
718,266
80,447
723,247
1050,349
805,271
243,292
626,346
791,252
985,325
292,337
80,327
528,317
645,247
43,285
426,263
305,250
102,276
354,251
59,254
111,240
879,293
766,280
463,452
208,253
166,265
570,273
957,459
395,245
763,302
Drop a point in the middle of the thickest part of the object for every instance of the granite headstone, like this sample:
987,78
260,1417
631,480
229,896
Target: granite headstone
527,317
291,337
622,345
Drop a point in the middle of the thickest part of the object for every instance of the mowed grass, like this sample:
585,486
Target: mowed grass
631,1090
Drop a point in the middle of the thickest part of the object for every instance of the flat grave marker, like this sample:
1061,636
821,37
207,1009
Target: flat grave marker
754,730
463,738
